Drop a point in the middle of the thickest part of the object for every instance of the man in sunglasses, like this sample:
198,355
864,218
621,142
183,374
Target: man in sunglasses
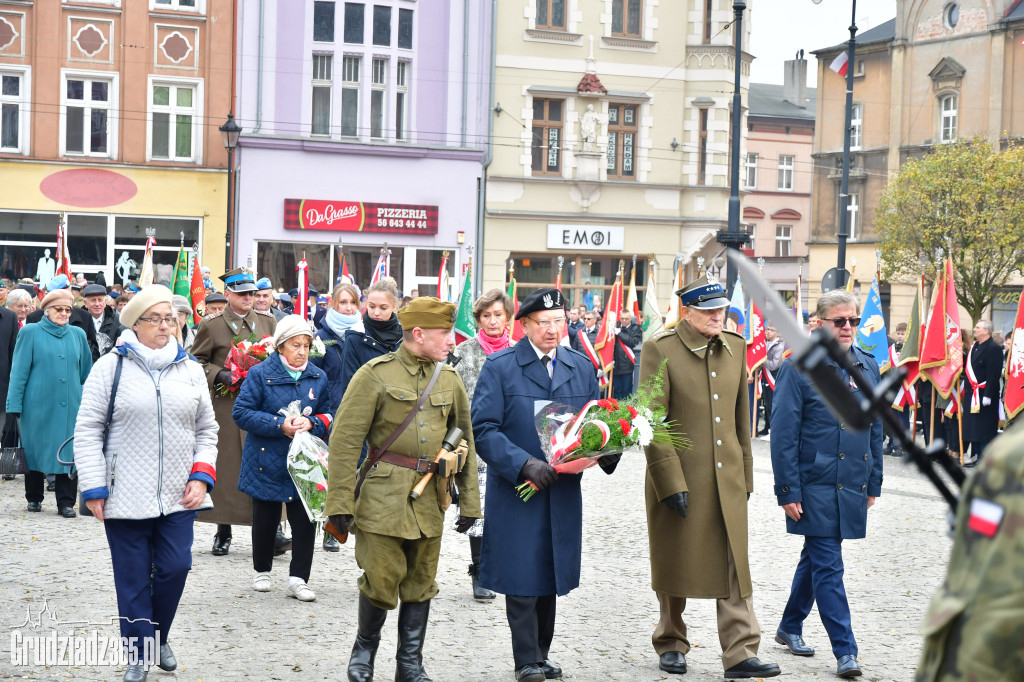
827,476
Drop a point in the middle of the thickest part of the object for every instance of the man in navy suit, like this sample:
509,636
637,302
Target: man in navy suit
531,550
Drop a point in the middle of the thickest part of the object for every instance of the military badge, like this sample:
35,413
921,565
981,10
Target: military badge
985,517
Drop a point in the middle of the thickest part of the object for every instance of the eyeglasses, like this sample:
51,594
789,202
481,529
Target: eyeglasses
64,310
155,321
840,322
558,323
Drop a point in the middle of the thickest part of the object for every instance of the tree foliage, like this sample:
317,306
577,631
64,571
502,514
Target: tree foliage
962,200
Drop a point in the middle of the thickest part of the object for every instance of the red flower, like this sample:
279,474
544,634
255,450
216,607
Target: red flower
604,404
626,428
614,403
632,411
321,487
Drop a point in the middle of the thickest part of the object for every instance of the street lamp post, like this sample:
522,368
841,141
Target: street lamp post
733,238
229,133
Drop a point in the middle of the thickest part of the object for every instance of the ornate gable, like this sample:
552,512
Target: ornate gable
947,75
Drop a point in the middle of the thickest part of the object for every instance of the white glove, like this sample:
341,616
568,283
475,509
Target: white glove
986,401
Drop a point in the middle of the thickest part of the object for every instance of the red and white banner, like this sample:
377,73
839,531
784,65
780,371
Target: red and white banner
302,304
358,216
840,64
1014,396
588,350
63,255
942,357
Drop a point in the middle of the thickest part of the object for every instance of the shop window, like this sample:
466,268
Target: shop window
547,136
622,133
89,115
750,179
350,96
401,100
323,22
173,109
378,95
586,279
323,65
14,108
783,241
551,14
355,16
405,29
786,167
626,18
381,25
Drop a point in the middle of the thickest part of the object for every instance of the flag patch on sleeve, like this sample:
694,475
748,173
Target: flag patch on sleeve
985,517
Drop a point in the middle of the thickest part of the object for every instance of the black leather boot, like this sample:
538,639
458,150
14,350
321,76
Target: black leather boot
371,620
412,630
474,569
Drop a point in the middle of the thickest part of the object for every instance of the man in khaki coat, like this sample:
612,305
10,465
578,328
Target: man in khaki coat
398,539
214,338
697,498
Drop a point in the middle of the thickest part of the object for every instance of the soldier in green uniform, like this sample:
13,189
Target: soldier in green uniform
214,338
974,629
398,540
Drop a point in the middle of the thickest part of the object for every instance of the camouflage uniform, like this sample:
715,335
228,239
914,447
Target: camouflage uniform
974,629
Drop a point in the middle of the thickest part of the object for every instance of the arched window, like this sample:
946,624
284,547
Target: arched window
948,118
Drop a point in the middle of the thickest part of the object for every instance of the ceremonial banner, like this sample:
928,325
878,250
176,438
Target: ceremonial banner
632,301
605,344
737,314
146,276
1014,397
910,356
757,348
674,314
197,292
63,255
302,303
651,311
465,324
871,337
444,289
515,329
588,350
179,282
942,358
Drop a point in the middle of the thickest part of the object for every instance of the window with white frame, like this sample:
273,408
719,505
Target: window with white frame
856,126
551,14
623,122
323,22
189,5
783,241
323,66
88,115
350,67
173,110
626,18
947,118
546,149
786,165
852,215
378,94
750,179
14,93
401,100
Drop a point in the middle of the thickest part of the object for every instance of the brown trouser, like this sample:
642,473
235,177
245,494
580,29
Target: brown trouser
395,568
738,631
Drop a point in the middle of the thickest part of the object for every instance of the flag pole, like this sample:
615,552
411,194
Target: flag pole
960,425
931,418
753,419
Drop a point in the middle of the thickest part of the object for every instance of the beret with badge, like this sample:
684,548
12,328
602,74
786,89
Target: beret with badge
541,300
427,312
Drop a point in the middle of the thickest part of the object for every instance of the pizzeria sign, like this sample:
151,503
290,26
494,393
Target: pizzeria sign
359,216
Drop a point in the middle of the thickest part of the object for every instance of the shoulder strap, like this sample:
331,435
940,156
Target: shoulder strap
376,453
113,394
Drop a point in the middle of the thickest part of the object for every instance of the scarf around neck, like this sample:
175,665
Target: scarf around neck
492,344
388,332
155,358
338,323
294,371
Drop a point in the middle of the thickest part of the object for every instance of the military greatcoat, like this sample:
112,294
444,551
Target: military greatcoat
214,338
705,391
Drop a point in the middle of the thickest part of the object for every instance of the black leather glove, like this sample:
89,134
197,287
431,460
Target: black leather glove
224,377
463,523
541,473
748,496
340,522
609,462
677,502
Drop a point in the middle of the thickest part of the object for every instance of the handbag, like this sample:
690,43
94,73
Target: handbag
12,458
73,473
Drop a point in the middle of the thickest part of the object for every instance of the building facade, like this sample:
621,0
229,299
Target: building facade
363,124
611,139
939,71
110,112
776,176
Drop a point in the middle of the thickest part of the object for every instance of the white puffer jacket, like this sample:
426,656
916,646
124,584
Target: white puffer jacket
162,434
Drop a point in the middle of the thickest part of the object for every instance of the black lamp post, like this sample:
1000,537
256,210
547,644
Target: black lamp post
733,238
229,132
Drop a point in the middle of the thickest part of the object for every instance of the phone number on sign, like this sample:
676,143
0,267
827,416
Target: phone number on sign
402,223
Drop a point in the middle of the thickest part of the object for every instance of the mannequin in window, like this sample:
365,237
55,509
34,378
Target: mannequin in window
46,268
124,267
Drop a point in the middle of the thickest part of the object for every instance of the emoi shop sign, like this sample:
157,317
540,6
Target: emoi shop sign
357,216
585,237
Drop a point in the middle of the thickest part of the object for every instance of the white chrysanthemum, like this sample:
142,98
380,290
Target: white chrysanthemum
644,431
318,345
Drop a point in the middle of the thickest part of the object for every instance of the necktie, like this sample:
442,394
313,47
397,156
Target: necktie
546,361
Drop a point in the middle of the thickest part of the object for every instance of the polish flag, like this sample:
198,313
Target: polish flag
985,517
840,64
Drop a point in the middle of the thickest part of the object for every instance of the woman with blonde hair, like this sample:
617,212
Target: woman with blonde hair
491,312
341,319
381,332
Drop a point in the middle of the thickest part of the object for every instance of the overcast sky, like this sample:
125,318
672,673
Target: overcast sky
781,27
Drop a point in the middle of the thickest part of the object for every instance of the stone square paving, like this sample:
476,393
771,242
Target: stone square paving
225,631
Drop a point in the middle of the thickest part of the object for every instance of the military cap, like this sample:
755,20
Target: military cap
540,300
704,293
216,297
427,312
94,290
263,283
239,280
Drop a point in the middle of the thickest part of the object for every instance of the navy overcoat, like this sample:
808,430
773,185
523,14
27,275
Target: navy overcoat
821,462
529,548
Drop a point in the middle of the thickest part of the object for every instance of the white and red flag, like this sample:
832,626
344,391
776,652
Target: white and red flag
1014,397
302,304
942,358
840,64
63,255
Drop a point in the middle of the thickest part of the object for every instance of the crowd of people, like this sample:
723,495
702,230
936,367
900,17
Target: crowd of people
164,433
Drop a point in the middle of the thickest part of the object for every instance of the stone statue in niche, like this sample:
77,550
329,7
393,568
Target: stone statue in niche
588,128
46,268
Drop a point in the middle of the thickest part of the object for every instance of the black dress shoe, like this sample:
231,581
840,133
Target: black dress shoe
167,659
550,669
283,543
752,667
331,543
221,545
847,666
672,662
8,477
530,672
51,486
67,512
34,507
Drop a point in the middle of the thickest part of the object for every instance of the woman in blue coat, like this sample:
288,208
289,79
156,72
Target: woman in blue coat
381,332
531,550
51,362
284,377
341,319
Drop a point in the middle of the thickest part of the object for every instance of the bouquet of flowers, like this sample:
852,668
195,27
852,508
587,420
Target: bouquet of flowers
307,465
243,356
574,442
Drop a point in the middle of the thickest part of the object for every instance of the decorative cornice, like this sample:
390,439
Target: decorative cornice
629,43
555,36
360,148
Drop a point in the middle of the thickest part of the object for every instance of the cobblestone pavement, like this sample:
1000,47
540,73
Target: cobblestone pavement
225,631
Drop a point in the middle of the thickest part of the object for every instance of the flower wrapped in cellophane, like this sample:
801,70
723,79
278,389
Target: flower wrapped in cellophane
573,442
243,356
307,466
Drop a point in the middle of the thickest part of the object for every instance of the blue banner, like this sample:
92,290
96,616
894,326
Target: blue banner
871,336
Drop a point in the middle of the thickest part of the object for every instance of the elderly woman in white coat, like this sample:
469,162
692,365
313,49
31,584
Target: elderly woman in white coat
147,476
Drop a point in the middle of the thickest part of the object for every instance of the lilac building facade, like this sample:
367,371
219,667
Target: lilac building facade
364,124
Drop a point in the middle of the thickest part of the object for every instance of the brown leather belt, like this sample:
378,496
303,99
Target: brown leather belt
418,465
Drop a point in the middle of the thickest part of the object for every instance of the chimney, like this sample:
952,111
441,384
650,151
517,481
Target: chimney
794,89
